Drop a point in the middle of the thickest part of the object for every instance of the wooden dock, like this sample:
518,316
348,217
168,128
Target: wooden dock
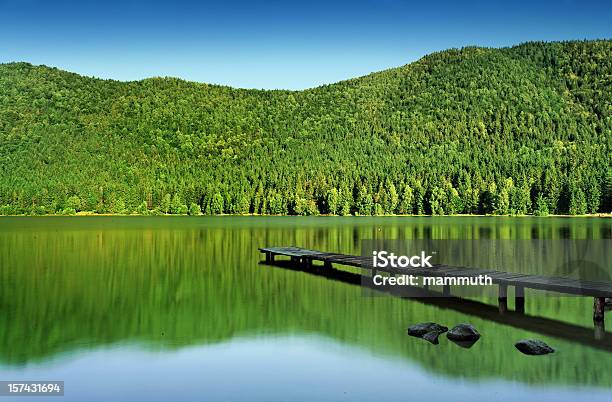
598,290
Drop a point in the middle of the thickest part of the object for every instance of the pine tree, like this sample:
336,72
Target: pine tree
243,204
216,204
436,201
364,201
393,198
593,195
541,206
332,201
577,202
406,201
165,204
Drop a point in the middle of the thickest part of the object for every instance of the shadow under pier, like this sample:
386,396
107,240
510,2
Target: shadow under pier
517,319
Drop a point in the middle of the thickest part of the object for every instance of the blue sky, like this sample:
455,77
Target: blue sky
275,44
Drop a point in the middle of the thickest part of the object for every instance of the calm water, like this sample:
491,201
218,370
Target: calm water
161,309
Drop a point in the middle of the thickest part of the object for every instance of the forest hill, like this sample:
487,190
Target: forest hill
519,130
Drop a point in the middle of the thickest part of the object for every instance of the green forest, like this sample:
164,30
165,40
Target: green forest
518,130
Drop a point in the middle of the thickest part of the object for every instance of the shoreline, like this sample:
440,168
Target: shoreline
93,214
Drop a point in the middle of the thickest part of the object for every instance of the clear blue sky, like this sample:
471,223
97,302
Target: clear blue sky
275,44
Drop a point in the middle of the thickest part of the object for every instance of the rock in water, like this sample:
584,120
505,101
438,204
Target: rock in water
533,347
432,337
419,330
463,333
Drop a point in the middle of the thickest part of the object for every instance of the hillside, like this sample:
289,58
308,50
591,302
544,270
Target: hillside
526,129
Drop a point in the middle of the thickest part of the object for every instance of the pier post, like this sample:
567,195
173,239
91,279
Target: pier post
503,298
327,265
599,305
446,292
519,299
600,330
268,257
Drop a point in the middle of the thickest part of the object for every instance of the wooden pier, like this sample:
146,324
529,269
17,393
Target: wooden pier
598,290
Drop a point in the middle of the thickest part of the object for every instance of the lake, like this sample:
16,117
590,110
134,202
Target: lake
179,308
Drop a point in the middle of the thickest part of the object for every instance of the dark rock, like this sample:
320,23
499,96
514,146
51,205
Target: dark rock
432,337
533,347
463,333
419,330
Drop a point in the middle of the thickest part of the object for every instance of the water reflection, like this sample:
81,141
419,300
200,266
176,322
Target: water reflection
309,368
75,285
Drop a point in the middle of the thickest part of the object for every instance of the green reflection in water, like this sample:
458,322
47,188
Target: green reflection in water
71,284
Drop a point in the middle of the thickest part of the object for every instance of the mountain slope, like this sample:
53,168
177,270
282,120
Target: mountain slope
519,130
